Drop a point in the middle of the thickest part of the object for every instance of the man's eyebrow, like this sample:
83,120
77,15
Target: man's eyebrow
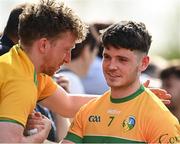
122,57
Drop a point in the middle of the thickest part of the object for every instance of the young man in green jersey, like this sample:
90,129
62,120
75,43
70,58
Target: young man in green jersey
128,112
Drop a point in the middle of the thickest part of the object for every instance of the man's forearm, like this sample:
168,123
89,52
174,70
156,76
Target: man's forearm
33,139
79,100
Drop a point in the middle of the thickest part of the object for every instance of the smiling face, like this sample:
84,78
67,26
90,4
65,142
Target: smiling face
122,67
58,52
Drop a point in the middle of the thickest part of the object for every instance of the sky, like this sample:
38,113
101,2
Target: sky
161,17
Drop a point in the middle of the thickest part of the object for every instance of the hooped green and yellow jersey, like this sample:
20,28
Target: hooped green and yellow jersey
138,118
20,86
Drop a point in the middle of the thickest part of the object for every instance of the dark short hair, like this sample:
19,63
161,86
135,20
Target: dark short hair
49,19
89,40
170,71
127,34
11,28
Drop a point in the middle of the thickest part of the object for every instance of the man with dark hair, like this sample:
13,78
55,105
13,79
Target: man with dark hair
171,82
128,112
10,33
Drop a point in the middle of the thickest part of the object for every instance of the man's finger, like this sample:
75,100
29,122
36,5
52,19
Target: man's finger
162,94
38,114
166,102
146,84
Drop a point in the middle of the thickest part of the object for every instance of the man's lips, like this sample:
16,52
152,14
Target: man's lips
113,75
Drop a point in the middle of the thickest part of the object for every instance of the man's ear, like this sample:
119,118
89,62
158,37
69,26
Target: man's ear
144,63
43,44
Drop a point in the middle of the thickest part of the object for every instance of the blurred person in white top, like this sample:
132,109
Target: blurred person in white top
81,58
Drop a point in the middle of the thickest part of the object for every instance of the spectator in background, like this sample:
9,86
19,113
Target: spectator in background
171,82
94,82
9,36
81,58
152,72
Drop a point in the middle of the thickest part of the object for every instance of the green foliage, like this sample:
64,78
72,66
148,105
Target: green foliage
172,52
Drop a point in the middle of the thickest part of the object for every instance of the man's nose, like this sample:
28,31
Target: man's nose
112,65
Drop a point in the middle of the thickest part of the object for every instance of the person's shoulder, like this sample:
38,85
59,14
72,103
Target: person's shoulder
155,107
94,103
5,63
10,60
153,112
8,57
153,102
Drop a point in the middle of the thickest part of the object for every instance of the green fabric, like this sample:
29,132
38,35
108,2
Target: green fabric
74,138
97,139
106,139
2,119
132,96
35,78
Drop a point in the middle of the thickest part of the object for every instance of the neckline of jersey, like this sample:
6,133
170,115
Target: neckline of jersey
130,97
35,78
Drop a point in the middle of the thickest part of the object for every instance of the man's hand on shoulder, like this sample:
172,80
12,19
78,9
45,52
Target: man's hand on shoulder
161,93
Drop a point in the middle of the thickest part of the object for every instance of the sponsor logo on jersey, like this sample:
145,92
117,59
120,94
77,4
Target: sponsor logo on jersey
129,123
171,139
113,112
94,118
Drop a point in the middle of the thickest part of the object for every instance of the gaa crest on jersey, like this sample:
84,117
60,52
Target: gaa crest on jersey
94,118
129,123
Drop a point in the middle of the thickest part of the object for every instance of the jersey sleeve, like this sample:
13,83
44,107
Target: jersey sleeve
163,129
46,86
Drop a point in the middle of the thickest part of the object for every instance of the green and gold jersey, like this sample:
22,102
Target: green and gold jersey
140,117
20,87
